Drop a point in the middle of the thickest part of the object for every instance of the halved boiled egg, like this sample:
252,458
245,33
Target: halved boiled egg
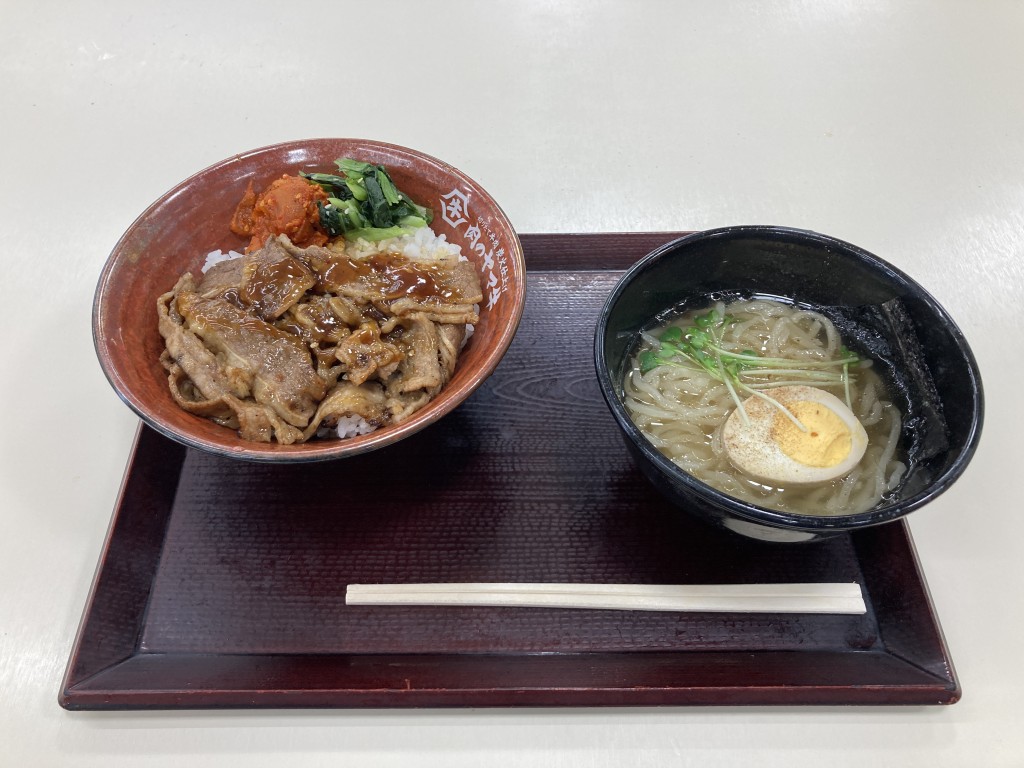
771,448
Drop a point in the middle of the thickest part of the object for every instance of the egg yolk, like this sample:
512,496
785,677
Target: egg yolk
826,442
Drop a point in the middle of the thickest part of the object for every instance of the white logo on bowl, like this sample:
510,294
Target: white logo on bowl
455,207
482,240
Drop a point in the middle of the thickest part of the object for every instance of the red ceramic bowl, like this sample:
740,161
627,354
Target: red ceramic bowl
175,234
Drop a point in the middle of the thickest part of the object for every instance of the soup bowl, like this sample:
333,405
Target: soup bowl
925,359
175,234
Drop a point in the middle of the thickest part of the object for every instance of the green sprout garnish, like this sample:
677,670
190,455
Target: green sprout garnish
701,346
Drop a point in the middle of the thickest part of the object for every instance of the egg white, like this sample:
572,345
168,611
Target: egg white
751,448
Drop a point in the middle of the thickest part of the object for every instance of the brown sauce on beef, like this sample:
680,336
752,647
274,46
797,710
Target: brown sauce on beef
392,275
286,342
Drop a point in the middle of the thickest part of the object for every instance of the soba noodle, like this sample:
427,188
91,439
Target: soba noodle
682,409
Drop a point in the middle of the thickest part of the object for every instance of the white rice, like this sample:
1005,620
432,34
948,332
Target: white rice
422,245
350,426
215,257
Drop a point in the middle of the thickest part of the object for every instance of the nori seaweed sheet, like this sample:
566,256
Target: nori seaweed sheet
886,334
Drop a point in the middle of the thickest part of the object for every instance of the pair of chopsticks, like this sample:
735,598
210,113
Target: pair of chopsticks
741,598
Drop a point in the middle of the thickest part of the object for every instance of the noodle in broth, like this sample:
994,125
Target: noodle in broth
682,409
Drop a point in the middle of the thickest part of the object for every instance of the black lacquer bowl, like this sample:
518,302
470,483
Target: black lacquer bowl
878,309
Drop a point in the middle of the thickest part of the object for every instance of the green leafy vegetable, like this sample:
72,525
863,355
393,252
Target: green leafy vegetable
364,202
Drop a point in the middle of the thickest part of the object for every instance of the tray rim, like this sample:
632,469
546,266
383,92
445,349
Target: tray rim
116,677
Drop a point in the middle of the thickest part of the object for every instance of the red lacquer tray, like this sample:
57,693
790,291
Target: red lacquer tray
222,584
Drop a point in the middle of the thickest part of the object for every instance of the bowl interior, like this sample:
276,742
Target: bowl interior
175,234
809,268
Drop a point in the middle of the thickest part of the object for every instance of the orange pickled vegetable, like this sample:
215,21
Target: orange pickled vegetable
286,207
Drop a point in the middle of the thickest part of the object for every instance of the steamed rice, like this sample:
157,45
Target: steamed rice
353,425
216,257
422,245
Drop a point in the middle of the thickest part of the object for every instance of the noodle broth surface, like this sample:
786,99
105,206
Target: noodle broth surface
682,409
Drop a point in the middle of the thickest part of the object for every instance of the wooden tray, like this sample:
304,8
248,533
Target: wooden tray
222,584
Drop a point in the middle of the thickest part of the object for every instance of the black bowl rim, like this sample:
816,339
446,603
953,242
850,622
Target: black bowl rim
752,512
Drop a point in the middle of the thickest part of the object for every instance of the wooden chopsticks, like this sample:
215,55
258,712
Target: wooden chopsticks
745,598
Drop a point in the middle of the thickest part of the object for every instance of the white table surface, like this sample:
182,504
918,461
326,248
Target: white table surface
895,124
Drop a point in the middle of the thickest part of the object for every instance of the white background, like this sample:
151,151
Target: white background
895,124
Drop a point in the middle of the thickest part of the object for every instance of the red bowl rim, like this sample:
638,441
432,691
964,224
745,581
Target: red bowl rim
453,394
